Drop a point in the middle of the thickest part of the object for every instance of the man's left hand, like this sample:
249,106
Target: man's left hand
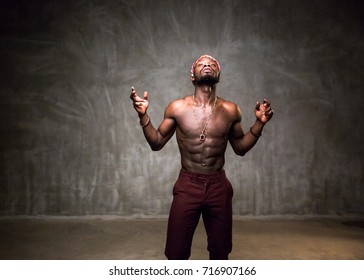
264,111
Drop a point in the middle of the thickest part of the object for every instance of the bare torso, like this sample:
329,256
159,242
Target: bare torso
206,156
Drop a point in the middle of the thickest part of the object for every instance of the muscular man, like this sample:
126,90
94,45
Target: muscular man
204,123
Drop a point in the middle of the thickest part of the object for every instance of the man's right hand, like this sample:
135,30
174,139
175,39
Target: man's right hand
140,104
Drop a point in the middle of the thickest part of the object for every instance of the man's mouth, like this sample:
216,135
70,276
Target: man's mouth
206,70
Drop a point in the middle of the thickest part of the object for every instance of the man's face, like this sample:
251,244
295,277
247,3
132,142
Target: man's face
206,72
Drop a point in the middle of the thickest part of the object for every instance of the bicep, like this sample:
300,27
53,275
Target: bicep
168,125
236,132
167,128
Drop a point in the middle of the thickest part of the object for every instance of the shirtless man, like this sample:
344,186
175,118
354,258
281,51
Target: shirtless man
204,123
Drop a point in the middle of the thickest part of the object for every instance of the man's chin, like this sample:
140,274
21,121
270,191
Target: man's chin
207,80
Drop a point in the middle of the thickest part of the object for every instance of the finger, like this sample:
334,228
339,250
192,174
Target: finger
269,112
138,99
266,102
134,96
257,105
138,104
133,93
145,95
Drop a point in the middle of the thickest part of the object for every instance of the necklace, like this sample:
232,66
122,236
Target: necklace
202,135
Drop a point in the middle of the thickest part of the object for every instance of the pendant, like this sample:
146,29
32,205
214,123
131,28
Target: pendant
202,137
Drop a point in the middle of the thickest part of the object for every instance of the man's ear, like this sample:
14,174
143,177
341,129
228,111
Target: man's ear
192,76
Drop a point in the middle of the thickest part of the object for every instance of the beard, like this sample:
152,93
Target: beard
207,81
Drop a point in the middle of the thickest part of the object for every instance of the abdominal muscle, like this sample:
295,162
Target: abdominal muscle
203,157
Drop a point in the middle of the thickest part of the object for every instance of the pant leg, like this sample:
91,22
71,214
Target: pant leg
217,216
183,218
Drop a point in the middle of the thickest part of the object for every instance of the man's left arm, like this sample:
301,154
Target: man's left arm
242,142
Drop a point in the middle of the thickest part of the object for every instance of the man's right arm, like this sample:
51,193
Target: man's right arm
156,138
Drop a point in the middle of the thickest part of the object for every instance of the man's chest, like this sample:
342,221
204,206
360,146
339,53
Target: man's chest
193,123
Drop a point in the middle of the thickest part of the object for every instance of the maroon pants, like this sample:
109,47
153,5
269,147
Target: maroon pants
195,194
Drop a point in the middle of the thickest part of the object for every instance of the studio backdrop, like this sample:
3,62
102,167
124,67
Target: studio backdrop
71,143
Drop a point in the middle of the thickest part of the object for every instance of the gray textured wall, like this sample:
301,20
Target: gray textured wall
70,139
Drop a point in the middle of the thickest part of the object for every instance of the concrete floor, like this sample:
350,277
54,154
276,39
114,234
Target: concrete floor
115,238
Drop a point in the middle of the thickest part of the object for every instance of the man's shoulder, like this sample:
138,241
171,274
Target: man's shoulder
183,100
229,105
231,109
178,104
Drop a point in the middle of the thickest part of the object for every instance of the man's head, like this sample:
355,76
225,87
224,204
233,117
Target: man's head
205,71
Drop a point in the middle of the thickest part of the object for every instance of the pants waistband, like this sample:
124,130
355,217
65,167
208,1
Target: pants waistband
217,176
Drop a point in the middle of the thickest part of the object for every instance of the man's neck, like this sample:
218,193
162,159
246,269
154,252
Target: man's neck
205,94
